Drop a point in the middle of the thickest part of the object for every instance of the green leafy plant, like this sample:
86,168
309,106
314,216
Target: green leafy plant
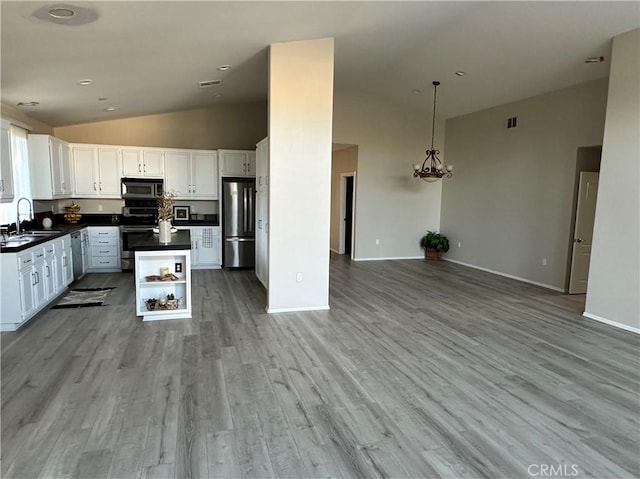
435,241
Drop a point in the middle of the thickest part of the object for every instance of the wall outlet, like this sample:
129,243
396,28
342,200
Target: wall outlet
544,261
299,277
178,267
100,208
377,241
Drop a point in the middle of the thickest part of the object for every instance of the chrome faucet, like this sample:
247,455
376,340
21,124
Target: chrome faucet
18,212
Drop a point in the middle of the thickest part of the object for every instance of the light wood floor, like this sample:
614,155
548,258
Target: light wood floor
418,370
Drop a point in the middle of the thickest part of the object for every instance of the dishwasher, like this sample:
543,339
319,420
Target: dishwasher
76,254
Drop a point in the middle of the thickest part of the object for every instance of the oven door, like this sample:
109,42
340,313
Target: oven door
129,235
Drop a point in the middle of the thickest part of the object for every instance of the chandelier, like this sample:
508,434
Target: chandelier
432,168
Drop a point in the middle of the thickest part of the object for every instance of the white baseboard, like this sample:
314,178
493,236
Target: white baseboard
615,324
518,278
292,310
389,258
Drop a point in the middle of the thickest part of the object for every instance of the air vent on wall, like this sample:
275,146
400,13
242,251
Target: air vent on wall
209,83
512,122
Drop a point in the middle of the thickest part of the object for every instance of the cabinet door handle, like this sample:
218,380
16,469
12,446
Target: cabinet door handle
101,186
139,168
48,271
33,278
1,185
95,186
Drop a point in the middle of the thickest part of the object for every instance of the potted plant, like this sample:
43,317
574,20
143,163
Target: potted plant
434,245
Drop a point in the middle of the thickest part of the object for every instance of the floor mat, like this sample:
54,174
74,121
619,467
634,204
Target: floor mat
83,298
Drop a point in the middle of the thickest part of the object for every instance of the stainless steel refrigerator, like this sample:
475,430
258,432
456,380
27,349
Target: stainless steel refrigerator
238,222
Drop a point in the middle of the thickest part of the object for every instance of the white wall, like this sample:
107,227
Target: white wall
613,292
510,200
300,119
391,205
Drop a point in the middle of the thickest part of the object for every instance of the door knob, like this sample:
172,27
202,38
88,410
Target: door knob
578,240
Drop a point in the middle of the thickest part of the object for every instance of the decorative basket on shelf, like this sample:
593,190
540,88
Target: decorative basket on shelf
158,305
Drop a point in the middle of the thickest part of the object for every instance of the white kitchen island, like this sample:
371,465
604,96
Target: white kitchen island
152,259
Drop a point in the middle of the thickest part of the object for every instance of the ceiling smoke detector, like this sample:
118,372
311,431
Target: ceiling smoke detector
209,83
110,108
460,73
28,103
224,68
65,14
594,60
86,82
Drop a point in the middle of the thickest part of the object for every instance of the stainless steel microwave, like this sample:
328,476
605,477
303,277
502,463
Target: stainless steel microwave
141,188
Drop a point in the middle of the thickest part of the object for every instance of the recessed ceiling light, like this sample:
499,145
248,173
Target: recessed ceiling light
102,98
85,82
65,14
28,103
594,60
416,91
224,68
61,12
460,73
110,108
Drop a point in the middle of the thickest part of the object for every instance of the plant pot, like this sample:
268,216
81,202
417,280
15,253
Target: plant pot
433,254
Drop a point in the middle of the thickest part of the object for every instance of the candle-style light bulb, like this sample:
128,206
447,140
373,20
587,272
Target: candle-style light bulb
416,167
449,167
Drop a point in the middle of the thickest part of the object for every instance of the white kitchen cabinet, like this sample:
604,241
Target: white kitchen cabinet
192,174
204,174
205,246
43,271
104,245
142,163
50,168
178,173
6,164
237,162
49,273
96,171
262,211
64,260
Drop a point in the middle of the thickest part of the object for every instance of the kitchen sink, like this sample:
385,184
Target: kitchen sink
41,233
13,242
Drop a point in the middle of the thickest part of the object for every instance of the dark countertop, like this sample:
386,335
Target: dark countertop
150,242
57,230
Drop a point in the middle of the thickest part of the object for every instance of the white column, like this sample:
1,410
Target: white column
613,292
300,131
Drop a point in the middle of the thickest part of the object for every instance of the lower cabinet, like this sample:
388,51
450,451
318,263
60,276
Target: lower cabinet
205,246
43,272
104,249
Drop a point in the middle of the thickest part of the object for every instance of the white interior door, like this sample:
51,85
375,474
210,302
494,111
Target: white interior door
583,232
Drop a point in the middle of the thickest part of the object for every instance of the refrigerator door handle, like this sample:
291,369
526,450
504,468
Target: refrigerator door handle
244,211
250,216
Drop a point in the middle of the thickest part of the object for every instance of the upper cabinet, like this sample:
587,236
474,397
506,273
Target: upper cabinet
192,174
142,163
50,167
96,171
237,162
6,165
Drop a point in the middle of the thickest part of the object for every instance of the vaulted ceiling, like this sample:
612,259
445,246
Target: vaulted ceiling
147,57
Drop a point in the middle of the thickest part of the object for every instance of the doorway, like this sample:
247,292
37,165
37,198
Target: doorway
347,208
583,217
